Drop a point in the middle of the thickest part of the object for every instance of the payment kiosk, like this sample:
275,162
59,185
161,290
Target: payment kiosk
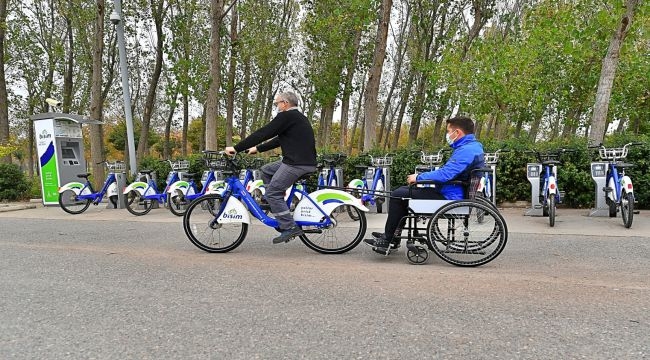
599,175
60,149
534,173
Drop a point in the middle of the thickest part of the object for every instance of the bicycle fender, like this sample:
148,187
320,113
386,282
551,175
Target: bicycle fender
254,185
74,186
327,199
552,185
216,187
612,194
112,190
180,185
137,185
626,184
234,212
356,184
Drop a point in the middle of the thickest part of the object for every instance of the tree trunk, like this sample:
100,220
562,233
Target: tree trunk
607,75
244,100
356,118
168,127
406,91
96,105
186,123
212,103
157,10
374,80
230,100
69,69
4,104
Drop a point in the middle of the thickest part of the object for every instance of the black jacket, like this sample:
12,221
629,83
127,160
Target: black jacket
292,132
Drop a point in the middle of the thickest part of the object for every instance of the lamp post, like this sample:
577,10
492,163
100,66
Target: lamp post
116,19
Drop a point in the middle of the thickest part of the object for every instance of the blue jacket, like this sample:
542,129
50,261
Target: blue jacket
466,156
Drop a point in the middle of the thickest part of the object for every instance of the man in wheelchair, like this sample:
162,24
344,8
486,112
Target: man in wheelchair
467,155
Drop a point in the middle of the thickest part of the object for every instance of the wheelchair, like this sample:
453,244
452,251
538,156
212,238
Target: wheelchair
468,232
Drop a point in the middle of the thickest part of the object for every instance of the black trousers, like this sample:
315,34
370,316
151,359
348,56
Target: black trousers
398,208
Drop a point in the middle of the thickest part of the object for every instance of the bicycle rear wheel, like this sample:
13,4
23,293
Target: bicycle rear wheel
71,204
201,227
136,204
344,235
457,237
627,209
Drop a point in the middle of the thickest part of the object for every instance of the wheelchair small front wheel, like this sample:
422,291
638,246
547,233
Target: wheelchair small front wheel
417,255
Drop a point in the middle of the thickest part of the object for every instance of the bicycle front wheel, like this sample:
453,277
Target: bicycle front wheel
136,204
627,209
346,232
178,203
71,204
203,230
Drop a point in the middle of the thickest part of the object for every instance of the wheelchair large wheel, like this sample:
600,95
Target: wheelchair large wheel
467,233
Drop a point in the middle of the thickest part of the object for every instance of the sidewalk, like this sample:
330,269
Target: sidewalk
568,221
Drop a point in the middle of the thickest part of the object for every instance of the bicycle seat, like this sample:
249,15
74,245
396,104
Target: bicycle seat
189,175
361,166
83,176
624,165
304,177
146,172
483,169
551,162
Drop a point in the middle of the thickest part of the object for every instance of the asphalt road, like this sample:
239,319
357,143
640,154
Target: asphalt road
122,289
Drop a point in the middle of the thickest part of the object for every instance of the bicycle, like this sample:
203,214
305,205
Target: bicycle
181,193
327,177
619,191
140,196
487,183
551,194
372,193
76,197
218,223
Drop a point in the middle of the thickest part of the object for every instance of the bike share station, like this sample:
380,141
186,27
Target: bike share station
599,175
60,149
534,173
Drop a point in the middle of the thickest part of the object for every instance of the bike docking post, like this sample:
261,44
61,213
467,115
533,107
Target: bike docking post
119,169
387,187
533,173
599,175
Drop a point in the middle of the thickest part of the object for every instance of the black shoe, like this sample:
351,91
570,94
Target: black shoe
381,245
394,244
265,207
288,234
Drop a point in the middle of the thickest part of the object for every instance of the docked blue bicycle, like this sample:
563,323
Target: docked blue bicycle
619,191
139,196
219,222
75,197
550,193
327,176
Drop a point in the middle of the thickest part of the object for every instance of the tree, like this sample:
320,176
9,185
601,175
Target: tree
212,103
96,103
608,73
4,103
374,79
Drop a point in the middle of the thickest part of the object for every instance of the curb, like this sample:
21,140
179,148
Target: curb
16,207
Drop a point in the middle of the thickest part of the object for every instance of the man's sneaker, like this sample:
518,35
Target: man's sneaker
288,234
394,245
382,245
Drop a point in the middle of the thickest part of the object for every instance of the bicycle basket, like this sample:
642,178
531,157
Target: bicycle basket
180,165
491,158
431,159
218,164
613,153
382,161
116,166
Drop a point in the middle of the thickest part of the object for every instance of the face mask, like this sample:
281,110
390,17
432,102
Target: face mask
449,139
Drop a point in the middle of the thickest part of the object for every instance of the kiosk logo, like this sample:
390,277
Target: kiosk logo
44,135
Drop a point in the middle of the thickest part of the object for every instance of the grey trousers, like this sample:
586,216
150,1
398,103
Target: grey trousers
278,177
